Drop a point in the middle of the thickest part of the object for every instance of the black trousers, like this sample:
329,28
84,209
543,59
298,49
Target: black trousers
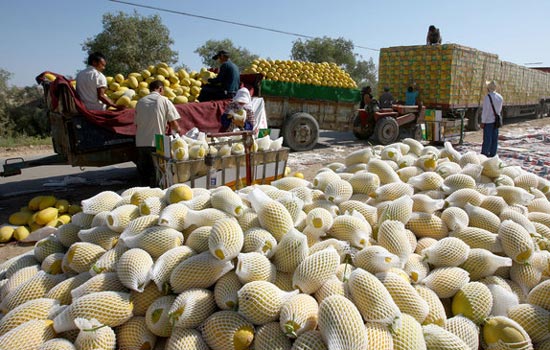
213,93
146,167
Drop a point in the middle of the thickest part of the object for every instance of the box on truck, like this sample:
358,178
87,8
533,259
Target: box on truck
452,78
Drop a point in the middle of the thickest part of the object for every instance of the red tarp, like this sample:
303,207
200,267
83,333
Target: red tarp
204,115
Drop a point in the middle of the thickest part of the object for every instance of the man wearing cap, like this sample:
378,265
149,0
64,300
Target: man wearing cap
225,84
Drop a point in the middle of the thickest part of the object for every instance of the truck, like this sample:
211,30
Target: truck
300,111
452,78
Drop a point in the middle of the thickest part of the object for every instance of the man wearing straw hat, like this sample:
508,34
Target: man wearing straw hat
491,120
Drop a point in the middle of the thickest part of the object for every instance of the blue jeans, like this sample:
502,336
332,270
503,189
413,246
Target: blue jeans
490,140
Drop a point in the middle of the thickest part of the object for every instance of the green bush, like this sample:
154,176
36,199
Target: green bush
23,112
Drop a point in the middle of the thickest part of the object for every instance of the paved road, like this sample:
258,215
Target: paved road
59,177
64,177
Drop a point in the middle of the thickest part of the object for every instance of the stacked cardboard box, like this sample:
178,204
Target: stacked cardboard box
452,76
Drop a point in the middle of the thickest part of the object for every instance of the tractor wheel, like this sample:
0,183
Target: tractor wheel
301,132
386,130
361,133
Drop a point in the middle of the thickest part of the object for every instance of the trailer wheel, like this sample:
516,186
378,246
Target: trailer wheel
301,132
386,130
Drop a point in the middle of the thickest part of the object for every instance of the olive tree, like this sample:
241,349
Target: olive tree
22,110
132,42
240,56
4,117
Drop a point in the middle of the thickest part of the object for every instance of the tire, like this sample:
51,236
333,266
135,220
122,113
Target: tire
359,132
386,130
301,132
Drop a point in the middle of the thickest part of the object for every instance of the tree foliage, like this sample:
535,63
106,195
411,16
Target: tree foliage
240,56
364,73
132,42
4,118
339,51
22,110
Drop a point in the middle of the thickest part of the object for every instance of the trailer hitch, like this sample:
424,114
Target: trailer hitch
13,166
12,169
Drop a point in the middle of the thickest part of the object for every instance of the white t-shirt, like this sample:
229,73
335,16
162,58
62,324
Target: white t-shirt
153,112
487,114
87,83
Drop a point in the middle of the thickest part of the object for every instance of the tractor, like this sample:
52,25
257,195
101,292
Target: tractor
387,125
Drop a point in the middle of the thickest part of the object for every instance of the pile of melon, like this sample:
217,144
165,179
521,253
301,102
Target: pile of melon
182,86
319,74
403,246
179,87
41,211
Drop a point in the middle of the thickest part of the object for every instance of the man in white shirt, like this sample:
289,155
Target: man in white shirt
91,84
488,118
153,113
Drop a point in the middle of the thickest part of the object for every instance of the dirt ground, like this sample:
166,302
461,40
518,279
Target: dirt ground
307,163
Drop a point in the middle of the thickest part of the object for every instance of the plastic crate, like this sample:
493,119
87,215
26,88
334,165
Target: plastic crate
229,170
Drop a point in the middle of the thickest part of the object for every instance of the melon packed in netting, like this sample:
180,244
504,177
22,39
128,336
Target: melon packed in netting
184,148
401,262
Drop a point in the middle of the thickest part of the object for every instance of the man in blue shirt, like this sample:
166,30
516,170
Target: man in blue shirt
411,96
225,84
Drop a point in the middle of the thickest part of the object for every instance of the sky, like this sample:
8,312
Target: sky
40,35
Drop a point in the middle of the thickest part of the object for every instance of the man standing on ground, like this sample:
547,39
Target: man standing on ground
225,84
153,113
91,84
492,104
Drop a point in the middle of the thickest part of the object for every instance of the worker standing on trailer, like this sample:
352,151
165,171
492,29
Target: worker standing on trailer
153,113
